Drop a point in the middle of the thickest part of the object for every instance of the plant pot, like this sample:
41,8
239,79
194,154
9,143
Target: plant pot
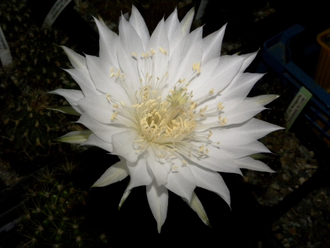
322,73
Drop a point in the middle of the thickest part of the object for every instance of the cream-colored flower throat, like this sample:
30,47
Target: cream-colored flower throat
166,121
163,121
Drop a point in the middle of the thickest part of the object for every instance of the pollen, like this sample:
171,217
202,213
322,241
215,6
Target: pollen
222,121
163,51
114,115
108,98
164,122
220,106
197,67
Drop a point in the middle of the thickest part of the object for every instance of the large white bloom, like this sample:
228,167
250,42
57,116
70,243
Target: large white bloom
174,111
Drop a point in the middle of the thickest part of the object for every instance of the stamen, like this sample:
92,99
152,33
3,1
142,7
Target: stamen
114,115
197,67
163,51
220,106
223,121
108,98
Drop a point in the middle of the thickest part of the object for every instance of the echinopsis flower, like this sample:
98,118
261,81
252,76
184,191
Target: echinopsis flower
174,111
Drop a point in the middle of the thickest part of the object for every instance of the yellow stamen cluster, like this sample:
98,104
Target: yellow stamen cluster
168,121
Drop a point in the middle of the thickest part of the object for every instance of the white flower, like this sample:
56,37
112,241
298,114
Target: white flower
174,111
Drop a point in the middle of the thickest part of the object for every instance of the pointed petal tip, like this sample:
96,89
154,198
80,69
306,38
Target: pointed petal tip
95,186
123,198
197,206
75,137
159,228
65,109
113,174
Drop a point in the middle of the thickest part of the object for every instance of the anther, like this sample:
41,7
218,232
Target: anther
197,67
220,106
163,51
114,115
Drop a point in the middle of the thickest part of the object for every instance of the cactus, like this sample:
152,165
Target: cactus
54,212
28,128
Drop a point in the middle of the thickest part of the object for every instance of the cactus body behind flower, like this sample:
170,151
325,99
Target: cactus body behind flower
28,129
54,213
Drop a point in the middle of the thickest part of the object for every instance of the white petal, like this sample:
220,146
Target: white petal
238,151
93,140
185,171
159,40
265,99
98,108
252,164
258,128
77,60
212,45
232,135
172,23
158,169
208,71
129,67
223,75
108,44
66,110
181,29
216,160
75,137
102,131
238,89
123,198
158,202
139,173
129,38
140,26
115,173
212,181
178,183
187,21
184,56
123,144
244,133
197,206
243,112
100,73
233,95
248,58
82,77
72,96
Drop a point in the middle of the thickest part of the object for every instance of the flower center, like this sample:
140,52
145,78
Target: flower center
171,121
168,121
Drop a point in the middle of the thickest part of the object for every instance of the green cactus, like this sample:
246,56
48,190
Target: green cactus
28,129
54,212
